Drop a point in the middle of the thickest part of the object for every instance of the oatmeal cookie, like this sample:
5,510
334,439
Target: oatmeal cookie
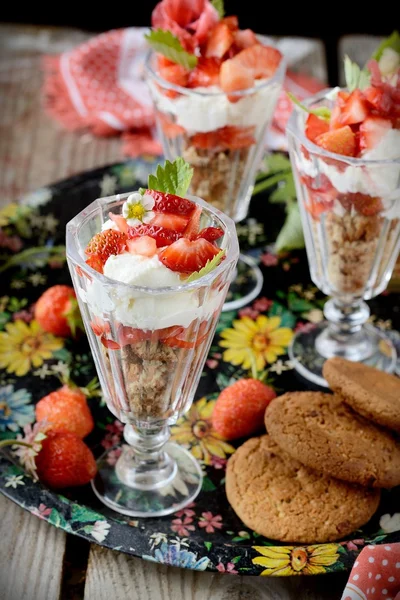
277,496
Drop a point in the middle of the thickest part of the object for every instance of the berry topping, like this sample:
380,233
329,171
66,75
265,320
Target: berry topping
193,226
261,61
355,109
315,127
229,137
219,42
145,246
206,73
103,245
341,141
169,221
211,234
186,256
372,131
162,236
235,77
169,203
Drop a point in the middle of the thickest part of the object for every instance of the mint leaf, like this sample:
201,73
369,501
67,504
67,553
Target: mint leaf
172,178
210,266
393,42
169,46
291,235
356,78
323,112
219,7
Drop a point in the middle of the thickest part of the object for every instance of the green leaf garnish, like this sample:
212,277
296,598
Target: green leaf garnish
356,78
169,46
219,7
393,42
210,265
291,234
172,178
323,112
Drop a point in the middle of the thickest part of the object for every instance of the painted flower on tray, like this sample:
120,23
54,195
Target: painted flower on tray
40,511
183,526
296,560
173,556
14,481
100,530
8,214
195,431
228,568
390,523
210,522
15,408
258,341
25,345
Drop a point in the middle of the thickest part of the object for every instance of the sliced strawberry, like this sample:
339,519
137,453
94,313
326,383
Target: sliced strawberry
367,205
335,121
186,256
129,335
342,98
261,61
162,236
119,221
211,234
340,141
192,228
379,99
99,326
219,42
175,74
145,246
234,77
110,344
232,22
245,38
187,338
372,131
355,109
205,73
163,61
226,138
169,203
315,127
168,221
170,129
102,246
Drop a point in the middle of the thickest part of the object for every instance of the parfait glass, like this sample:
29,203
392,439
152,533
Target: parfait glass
350,211
222,136
149,346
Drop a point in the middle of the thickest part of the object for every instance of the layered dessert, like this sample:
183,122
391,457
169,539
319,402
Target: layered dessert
214,89
345,149
157,274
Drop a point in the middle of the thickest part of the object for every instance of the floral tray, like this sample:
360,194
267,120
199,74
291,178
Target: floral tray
206,535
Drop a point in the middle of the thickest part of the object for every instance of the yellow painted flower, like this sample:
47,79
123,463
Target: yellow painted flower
8,213
296,560
261,341
195,431
23,345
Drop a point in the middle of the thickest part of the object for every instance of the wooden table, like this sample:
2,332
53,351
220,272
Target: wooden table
37,561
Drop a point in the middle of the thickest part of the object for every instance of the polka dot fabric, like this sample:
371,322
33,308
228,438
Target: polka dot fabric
375,574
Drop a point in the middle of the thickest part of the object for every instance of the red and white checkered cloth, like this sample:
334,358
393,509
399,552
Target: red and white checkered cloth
99,86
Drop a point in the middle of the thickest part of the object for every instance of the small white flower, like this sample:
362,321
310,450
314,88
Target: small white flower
390,524
137,209
14,480
37,279
17,284
100,530
157,539
314,316
278,367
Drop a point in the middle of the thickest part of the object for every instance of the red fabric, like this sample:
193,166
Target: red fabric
375,574
99,85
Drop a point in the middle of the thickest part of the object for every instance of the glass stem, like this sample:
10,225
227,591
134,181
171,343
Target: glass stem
144,464
345,336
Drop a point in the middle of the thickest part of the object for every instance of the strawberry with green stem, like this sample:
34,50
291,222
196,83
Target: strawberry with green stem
57,311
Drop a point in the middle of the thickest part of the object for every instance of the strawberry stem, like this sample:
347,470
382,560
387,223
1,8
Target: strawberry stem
4,443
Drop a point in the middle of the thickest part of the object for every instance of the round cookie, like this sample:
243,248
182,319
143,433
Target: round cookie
370,392
323,433
280,498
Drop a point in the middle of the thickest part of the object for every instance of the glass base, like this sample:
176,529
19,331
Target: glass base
166,497
246,285
308,362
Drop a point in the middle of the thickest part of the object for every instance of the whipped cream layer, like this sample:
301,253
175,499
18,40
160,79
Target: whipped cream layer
142,310
203,109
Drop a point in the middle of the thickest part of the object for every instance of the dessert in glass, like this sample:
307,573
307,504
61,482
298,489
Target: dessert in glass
214,98
345,154
151,270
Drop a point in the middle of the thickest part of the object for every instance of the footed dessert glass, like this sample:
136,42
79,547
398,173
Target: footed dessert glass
149,347
223,139
350,211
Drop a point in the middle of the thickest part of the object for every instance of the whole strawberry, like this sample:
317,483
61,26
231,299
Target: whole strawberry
66,409
65,461
239,409
102,246
57,311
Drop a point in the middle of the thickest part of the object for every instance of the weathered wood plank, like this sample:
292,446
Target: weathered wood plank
117,576
31,555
